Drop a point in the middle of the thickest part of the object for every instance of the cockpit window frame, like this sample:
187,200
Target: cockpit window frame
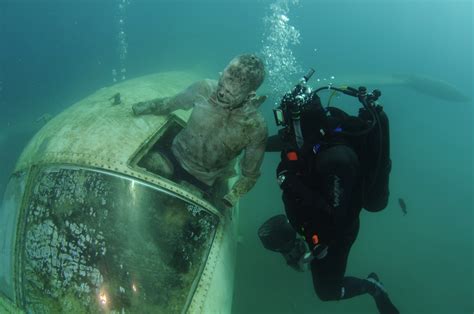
38,169
148,144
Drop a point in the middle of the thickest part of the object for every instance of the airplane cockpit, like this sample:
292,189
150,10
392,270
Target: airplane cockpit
92,221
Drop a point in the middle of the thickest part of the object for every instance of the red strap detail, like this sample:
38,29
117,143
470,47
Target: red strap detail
292,156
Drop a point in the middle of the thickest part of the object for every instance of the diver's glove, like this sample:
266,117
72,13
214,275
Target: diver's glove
300,256
144,107
317,242
320,251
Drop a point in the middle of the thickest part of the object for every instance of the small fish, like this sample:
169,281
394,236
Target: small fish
403,206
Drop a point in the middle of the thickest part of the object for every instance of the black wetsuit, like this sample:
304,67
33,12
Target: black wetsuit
324,197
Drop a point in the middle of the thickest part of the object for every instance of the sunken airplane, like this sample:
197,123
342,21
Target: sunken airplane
91,222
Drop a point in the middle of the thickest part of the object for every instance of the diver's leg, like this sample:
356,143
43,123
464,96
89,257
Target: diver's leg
331,284
328,273
354,286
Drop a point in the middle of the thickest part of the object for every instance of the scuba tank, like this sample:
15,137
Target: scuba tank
372,146
376,161
368,134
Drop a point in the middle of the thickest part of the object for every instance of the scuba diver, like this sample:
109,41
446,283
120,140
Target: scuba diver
332,165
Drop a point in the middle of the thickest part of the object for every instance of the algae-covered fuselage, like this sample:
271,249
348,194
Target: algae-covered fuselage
87,226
